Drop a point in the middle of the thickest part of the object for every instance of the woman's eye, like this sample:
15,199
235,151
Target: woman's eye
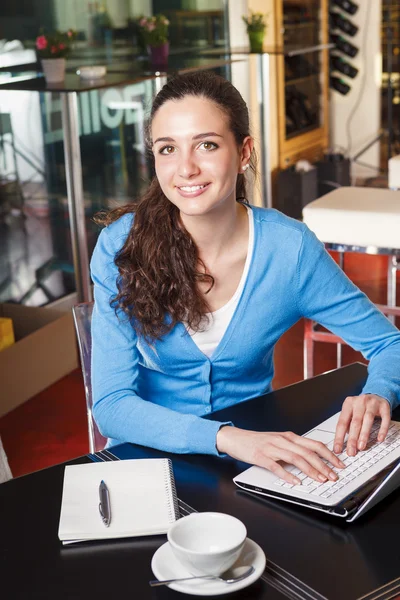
167,150
209,145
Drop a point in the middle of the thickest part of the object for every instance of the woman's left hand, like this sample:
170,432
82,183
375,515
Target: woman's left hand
356,419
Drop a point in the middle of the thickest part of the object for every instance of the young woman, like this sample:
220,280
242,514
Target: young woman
194,287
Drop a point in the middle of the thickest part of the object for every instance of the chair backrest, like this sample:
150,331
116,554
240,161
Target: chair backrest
83,319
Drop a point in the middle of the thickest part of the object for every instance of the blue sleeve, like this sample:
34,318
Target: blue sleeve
326,295
117,408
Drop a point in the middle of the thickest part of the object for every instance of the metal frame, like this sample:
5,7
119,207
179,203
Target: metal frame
312,334
393,255
361,249
82,315
76,207
263,92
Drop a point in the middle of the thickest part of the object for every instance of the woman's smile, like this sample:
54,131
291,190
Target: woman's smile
192,191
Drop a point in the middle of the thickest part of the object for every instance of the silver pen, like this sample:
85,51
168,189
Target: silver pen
104,505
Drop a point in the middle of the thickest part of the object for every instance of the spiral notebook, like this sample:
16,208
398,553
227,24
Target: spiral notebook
142,497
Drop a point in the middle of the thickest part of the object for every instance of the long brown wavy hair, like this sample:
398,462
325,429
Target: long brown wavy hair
159,265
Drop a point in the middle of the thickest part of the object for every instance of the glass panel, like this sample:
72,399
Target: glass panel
302,93
115,167
195,24
35,242
36,263
301,31
107,29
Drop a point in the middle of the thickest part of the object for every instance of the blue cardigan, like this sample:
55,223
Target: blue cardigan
155,395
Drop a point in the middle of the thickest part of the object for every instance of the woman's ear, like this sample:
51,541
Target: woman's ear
247,148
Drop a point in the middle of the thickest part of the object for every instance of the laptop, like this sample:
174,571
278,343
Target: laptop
366,479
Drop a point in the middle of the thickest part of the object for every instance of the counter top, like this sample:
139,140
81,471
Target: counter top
118,74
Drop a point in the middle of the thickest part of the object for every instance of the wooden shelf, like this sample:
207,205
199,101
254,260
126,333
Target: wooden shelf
299,25
301,79
311,140
295,134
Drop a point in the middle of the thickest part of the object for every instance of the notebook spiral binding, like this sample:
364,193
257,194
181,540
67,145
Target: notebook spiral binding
173,506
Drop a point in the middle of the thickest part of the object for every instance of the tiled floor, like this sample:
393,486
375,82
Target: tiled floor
47,429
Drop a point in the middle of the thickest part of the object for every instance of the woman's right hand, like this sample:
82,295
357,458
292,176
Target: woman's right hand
269,449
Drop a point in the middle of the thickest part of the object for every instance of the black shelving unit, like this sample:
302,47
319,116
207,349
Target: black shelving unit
301,26
390,64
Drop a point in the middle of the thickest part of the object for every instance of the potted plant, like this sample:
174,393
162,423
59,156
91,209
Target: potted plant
52,49
256,26
154,33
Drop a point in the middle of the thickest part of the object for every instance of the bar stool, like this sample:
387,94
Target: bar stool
355,219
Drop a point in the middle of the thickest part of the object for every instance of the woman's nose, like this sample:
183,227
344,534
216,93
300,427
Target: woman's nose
187,167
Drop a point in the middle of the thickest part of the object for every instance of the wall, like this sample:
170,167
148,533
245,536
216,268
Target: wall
202,4
118,11
72,14
356,117
268,7
140,7
246,77
237,29
75,13
211,4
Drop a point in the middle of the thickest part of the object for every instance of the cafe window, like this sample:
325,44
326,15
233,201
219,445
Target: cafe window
108,23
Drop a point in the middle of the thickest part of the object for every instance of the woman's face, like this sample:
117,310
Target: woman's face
197,159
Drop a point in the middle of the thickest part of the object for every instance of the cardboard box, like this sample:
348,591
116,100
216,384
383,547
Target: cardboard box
45,351
6,333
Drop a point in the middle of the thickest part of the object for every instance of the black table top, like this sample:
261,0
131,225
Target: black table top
309,554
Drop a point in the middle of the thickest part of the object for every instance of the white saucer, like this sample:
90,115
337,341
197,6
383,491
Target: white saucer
165,565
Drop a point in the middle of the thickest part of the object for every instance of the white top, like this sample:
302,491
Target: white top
218,321
356,216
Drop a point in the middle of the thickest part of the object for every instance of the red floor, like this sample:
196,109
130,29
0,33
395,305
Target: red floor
51,427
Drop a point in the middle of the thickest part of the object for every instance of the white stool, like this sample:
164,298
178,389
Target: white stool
394,172
355,219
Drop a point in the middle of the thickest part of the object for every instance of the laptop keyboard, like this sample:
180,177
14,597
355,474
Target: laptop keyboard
355,465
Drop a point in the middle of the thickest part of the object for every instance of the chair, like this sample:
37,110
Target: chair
5,471
82,314
355,219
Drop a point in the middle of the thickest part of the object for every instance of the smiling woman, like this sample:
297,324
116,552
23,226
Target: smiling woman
194,287
200,139
197,171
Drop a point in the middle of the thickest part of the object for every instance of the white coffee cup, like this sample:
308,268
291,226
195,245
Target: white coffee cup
207,543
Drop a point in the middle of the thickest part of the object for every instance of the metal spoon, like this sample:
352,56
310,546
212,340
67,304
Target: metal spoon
230,576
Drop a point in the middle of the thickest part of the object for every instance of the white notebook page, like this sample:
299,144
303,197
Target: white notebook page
142,498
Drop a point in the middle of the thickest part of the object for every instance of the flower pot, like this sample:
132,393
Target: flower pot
53,69
159,56
256,39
